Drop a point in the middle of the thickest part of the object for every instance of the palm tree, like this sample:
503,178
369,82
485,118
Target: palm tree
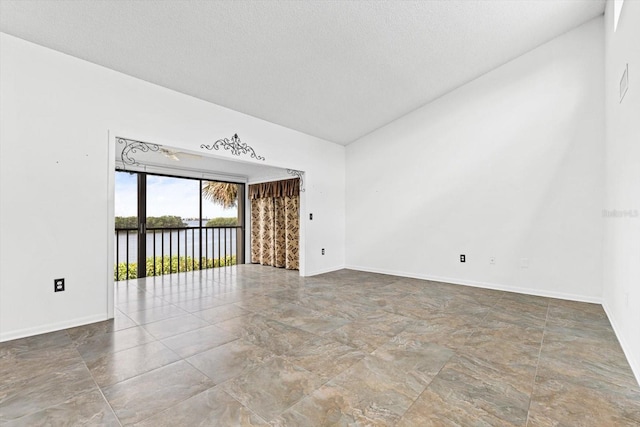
221,193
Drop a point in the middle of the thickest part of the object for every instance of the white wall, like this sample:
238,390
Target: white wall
507,166
56,112
622,234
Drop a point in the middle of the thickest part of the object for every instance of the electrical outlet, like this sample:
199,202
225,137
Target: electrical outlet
322,251
463,258
58,285
310,217
492,260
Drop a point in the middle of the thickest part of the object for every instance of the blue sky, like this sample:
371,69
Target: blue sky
165,196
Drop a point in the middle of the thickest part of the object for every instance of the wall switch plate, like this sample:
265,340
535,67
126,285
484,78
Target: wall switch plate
58,285
492,260
322,251
463,258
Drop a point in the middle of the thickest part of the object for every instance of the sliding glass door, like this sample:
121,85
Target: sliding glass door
168,224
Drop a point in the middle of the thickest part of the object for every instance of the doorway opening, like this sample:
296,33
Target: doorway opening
168,224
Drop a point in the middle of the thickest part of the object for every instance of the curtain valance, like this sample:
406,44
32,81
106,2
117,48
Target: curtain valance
284,188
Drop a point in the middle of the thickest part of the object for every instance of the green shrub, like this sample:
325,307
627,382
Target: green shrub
165,221
222,222
167,265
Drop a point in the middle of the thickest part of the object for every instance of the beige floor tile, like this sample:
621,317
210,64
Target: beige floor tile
331,405
388,381
212,407
229,360
272,387
49,387
250,345
371,331
324,357
20,366
221,313
119,322
268,333
198,340
51,340
199,304
140,397
257,303
82,410
556,401
142,304
442,405
501,330
95,346
155,314
304,318
174,326
115,367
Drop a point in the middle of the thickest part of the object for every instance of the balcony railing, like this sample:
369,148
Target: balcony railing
174,250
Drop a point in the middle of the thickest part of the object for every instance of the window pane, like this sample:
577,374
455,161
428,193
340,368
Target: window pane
219,203
172,202
126,200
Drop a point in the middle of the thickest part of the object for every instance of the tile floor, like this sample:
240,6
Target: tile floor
252,345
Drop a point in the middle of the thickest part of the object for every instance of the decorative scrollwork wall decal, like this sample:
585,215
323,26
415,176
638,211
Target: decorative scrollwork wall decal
300,175
131,147
236,147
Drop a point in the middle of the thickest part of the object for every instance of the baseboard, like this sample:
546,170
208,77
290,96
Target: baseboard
28,332
484,285
323,271
633,362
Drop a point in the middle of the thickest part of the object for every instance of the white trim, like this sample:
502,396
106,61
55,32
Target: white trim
633,362
323,271
302,234
111,222
28,332
484,285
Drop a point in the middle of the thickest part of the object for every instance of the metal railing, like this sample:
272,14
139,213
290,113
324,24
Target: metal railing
174,250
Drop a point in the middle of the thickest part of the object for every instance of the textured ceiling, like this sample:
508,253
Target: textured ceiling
333,69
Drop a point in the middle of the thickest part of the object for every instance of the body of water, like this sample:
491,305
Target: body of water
216,243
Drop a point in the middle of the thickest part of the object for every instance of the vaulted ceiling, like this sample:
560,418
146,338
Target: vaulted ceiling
333,69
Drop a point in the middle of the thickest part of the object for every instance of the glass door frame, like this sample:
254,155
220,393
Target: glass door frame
141,229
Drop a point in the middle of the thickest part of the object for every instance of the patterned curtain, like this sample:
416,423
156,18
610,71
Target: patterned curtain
275,223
